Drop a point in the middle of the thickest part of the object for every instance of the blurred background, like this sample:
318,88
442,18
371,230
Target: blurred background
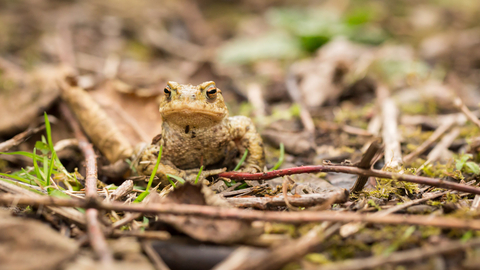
281,62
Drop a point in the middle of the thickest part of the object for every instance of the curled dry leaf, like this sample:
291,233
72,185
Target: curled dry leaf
204,229
97,124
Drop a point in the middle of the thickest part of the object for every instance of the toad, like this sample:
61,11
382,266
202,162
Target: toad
197,131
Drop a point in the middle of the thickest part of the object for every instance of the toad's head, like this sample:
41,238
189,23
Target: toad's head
185,104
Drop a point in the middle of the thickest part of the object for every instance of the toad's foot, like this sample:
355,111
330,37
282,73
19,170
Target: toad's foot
191,175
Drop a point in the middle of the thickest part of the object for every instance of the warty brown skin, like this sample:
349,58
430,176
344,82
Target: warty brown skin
196,131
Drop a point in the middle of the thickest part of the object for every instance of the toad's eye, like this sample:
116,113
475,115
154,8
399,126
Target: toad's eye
212,93
167,92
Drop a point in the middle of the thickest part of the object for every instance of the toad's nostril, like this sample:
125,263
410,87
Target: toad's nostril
192,97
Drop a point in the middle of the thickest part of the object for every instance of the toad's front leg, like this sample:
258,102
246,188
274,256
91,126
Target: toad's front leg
145,164
246,137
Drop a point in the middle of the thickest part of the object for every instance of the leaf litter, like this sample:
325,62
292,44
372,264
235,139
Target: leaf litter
336,56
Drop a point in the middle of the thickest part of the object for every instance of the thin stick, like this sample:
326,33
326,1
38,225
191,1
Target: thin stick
95,233
290,252
440,148
460,105
393,153
352,170
234,213
351,228
366,163
295,94
432,139
402,256
153,256
306,200
20,138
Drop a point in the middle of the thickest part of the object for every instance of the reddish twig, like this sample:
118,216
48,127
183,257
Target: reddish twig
234,213
95,233
352,170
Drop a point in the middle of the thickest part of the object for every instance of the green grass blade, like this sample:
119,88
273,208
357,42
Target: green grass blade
241,160
280,159
198,175
16,177
171,182
50,168
35,166
45,169
155,169
22,186
178,178
23,153
49,132
141,196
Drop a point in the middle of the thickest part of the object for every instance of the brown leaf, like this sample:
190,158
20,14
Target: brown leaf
204,229
29,244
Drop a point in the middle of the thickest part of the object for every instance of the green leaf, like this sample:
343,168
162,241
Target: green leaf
274,45
229,184
461,161
242,186
473,167
43,147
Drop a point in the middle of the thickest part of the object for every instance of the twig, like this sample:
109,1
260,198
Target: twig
460,105
402,256
295,95
351,228
129,217
286,253
153,256
255,97
97,239
19,138
444,127
366,163
234,213
470,115
352,170
439,149
306,200
244,191
153,235
393,153
176,46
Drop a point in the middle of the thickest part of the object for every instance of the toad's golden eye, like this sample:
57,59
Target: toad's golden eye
212,93
167,92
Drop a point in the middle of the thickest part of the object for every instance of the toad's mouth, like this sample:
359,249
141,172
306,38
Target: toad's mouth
187,113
